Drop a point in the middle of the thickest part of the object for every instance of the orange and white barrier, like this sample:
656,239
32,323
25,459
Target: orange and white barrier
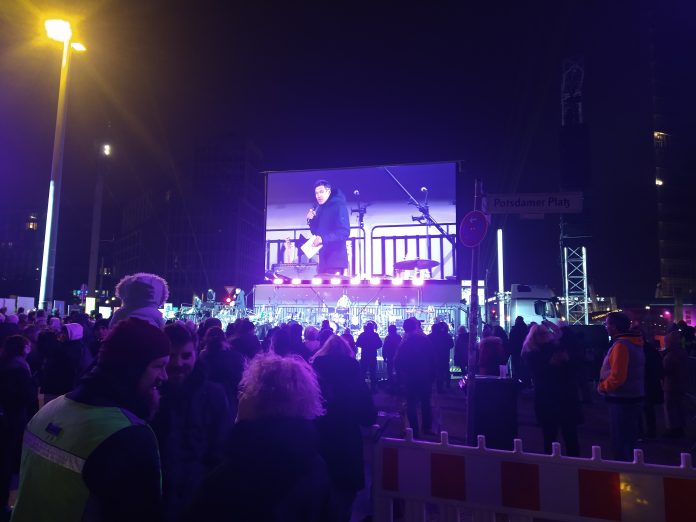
481,483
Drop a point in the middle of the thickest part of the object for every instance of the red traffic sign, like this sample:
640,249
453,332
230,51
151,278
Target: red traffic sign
473,228
229,289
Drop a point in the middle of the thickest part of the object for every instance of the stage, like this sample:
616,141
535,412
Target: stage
350,303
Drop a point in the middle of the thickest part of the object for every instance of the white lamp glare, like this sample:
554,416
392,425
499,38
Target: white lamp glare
58,30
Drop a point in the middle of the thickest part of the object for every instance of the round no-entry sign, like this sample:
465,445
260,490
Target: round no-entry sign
473,228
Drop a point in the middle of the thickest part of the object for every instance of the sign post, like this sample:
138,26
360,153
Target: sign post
472,230
537,203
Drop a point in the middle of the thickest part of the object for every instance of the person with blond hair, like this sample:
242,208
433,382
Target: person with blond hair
272,470
311,338
556,398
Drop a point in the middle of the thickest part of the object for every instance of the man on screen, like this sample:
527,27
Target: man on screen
329,222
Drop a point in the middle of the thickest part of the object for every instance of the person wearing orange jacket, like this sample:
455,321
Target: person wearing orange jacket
622,382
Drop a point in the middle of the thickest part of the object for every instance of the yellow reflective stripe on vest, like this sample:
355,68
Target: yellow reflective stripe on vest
56,455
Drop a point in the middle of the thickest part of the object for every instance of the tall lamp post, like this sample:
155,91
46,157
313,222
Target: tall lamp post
105,151
60,31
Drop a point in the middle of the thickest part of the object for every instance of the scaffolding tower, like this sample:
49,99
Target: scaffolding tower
576,289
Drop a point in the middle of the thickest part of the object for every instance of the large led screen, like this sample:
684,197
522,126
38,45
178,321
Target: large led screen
393,230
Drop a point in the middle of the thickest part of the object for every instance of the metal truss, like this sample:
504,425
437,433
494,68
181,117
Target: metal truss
576,288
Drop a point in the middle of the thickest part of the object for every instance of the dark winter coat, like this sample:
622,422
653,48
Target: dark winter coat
349,406
518,334
676,372
369,343
442,344
192,426
556,396
272,473
224,367
247,344
332,224
61,367
414,361
653,374
18,403
391,345
461,350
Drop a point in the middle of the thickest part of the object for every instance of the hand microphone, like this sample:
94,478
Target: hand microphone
314,208
424,189
356,193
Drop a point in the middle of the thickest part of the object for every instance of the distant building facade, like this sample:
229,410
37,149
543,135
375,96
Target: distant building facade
204,232
21,250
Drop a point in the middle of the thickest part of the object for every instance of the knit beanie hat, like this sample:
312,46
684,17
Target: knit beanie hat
74,331
54,324
132,345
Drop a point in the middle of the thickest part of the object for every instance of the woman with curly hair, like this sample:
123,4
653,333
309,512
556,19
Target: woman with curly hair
272,470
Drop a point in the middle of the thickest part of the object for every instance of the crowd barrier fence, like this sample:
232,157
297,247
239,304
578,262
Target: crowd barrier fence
419,481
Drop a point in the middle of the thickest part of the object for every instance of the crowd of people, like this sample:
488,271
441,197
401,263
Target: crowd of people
143,420
146,420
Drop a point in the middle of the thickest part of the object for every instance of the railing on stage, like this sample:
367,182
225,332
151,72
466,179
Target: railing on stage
439,481
377,255
356,315
356,255
393,248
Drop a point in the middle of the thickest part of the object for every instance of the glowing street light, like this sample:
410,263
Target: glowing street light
60,31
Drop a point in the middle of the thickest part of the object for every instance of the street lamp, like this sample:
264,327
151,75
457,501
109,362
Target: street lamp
105,152
60,31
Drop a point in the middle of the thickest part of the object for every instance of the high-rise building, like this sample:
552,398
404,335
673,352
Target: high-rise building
673,183
21,248
206,230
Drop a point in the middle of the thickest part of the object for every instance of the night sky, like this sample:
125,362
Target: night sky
328,84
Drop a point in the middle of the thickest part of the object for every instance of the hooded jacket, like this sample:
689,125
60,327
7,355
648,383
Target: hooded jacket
142,295
332,224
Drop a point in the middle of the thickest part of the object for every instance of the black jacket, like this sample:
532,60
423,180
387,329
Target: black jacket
18,403
332,224
414,361
192,426
349,406
369,343
60,368
224,367
272,473
555,384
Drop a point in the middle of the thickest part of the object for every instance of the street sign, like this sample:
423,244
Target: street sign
473,228
229,289
537,203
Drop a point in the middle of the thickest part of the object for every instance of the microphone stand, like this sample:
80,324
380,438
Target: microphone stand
424,209
361,211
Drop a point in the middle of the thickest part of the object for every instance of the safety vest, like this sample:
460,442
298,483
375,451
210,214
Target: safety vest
57,442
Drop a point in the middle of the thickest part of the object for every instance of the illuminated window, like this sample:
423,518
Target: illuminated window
32,225
660,139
